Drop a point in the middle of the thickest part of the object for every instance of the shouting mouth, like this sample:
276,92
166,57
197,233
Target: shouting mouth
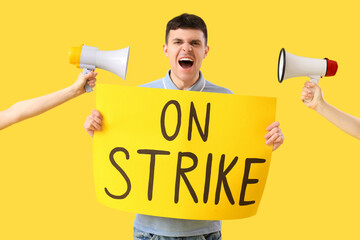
186,63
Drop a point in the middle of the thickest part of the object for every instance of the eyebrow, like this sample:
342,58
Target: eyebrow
195,41
181,40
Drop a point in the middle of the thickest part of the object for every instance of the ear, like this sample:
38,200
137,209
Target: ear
206,51
165,49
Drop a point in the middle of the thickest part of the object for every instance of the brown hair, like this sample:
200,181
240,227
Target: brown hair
186,21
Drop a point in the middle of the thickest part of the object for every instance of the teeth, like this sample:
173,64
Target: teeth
186,59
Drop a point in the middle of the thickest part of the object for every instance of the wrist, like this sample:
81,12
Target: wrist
75,91
78,90
320,106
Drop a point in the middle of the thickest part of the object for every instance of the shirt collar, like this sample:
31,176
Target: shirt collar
198,86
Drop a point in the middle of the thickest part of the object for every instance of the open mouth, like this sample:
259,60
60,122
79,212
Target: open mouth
186,63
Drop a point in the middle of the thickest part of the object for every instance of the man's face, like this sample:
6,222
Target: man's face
186,50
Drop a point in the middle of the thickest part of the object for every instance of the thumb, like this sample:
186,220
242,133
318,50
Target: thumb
317,89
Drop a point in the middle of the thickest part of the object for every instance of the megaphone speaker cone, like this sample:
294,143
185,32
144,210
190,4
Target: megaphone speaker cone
114,61
281,65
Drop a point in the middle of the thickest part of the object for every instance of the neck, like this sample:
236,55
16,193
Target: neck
183,84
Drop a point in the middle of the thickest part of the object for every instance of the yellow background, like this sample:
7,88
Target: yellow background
46,177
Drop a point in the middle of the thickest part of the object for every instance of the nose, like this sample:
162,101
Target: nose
187,47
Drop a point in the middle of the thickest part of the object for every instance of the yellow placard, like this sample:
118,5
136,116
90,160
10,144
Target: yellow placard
181,154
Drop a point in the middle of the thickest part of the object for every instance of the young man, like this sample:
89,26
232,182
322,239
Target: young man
32,107
344,121
186,47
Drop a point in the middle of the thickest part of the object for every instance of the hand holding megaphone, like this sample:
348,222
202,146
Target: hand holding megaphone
88,58
312,95
83,80
290,66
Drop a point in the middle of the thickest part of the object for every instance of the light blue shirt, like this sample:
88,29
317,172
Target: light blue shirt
174,227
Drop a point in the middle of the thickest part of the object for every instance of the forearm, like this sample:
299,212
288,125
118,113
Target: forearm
32,107
342,120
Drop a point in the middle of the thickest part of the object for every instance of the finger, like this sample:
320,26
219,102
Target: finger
306,89
272,139
88,126
306,83
272,132
277,137
304,93
91,83
96,126
281,137
312,85
306,97
271,126
279,141
92,118
92,124
281,133
95,119
97,113
90,75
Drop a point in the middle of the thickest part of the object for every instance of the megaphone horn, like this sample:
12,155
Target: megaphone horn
88,58
290,66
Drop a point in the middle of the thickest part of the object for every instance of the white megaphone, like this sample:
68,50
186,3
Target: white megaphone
88,58
291,66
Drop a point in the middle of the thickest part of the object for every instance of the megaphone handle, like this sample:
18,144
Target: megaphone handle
87,87
314,79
